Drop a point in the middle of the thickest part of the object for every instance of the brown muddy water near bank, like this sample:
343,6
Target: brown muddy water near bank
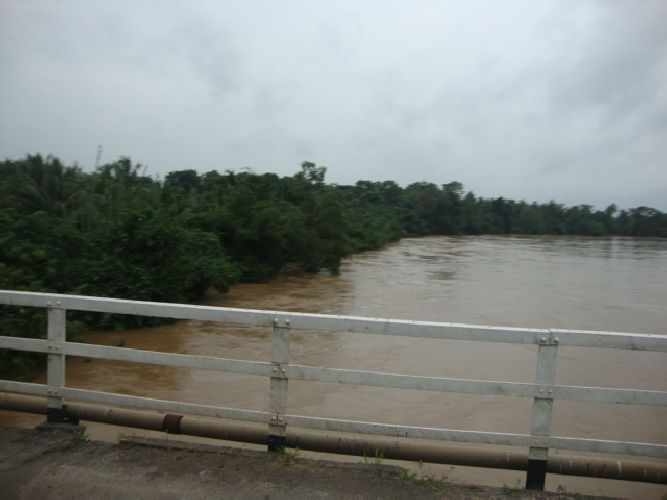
615,284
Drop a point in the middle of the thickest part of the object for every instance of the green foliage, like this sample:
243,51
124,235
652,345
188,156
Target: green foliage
378,457
118,233
288,455
406,475
80,433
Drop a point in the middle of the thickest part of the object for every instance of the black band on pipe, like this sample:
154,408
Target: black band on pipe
172,423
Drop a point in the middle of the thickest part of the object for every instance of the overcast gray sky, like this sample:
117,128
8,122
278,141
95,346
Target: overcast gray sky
534,100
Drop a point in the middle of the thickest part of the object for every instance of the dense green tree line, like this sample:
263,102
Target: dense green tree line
117,232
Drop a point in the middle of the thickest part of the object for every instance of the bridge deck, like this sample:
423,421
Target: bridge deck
58,463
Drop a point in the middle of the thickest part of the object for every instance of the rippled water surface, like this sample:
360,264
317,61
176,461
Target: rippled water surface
613,284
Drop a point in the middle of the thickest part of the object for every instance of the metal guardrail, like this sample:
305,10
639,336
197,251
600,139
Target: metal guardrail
543,391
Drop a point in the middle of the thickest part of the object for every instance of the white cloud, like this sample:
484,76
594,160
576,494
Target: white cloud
530,100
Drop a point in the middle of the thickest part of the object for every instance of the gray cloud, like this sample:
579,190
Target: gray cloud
559,100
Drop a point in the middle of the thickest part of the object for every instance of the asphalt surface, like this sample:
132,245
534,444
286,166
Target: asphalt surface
60,463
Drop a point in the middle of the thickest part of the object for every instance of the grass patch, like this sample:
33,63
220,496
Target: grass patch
378,457
435,483
287,456
80,433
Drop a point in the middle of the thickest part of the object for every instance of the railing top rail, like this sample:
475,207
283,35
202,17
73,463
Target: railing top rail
338,323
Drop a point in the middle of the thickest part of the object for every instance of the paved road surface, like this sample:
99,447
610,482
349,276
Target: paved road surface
58,464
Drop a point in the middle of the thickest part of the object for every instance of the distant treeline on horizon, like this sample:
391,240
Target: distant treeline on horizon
115,232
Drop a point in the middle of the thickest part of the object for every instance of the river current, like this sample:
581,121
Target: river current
610,284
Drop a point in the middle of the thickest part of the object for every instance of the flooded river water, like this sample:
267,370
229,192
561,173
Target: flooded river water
614,284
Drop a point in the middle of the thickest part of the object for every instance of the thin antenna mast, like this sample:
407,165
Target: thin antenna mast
98,158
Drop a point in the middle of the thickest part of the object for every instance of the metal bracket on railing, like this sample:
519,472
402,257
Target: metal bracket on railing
546,392
278,371
277,321
53,347
548,340
277,419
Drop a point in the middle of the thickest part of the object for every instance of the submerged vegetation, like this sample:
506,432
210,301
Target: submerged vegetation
117,232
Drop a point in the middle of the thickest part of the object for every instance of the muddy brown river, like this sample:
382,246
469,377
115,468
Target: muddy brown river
613,284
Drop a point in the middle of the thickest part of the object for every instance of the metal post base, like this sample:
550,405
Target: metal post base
59,415
276,443
536,474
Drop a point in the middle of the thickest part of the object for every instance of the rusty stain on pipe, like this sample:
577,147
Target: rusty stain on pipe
626,470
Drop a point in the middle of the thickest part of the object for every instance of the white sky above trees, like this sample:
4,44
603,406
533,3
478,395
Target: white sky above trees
533,100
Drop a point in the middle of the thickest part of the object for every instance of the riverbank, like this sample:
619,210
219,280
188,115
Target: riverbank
52,462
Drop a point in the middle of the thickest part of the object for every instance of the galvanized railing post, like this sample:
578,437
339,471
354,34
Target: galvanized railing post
278,384
55,372
547,355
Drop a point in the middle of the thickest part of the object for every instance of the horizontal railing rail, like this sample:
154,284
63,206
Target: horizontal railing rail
344,376
543,391
327,322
